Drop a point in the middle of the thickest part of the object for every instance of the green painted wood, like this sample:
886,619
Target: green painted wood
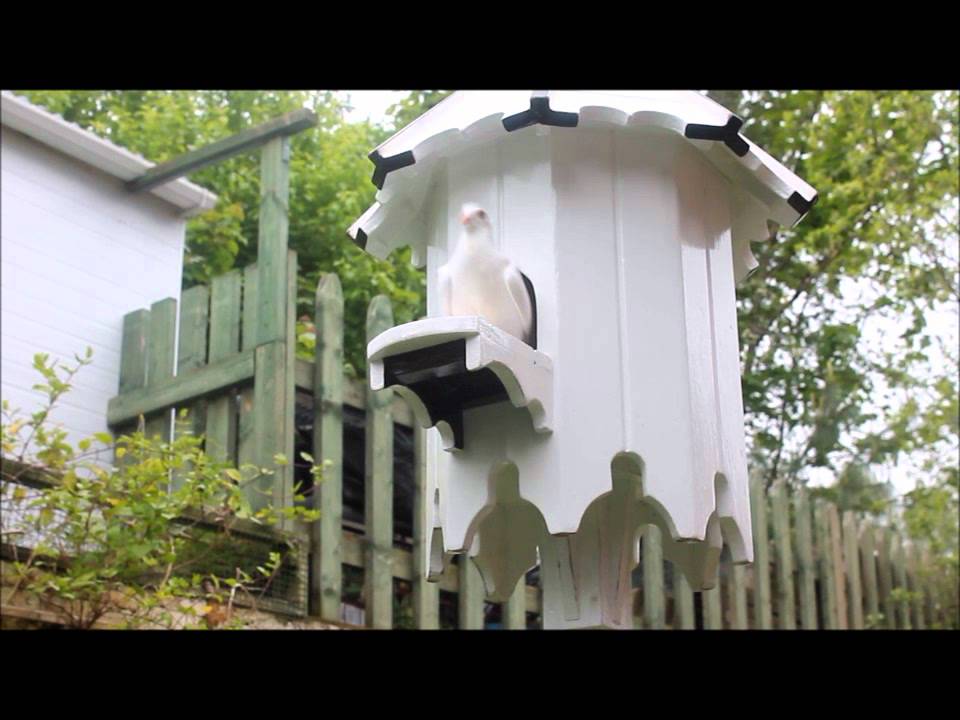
327,558
160,361
684,614
918,609
654,614
738,597
191,354
470,595
234,370
515,608
713,608
133,353
246,445
885,578
868,566
426,595
378,519
839,568
133,362
900,579
825,567
221,426
786,605
272,242
851,551
288,445
930,603
269,408
806,567
244,141
763,614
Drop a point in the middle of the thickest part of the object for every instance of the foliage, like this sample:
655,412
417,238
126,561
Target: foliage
329,188
856,488
91,539
415,105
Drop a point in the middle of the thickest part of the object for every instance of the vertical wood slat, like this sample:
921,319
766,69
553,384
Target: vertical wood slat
738,598
426,595
839,573
469,595
224,341
900,576
824,551
160,358
712,608
515,608
653,604
286,491
378,516
327,533
806,567
868,562
763,615
916,587
885,578
133,358
930,605
786,610
684,614
191,354
271,321
852,556
246,440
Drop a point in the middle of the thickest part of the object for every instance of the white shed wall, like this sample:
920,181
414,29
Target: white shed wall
77,252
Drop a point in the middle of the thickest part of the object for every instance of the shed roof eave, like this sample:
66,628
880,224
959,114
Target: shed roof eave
19,114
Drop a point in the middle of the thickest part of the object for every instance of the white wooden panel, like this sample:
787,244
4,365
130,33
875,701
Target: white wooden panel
78,253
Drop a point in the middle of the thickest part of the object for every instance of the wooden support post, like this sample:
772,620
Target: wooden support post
763,615
868,563
653,605
378,517
470,595
824,550
426,595
786,609
836,558
160,359
272,242
224,342
684,614
806,568
327,557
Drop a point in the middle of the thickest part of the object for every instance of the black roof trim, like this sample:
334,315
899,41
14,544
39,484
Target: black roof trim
802,206
729,134
385,166
540,113
361,239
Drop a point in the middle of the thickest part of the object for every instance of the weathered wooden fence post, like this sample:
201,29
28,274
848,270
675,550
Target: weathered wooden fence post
738,597
684,613
900,571
852,556
763,616
836,560
885,576
378,514
160,359
327,532
469,595
869,563
653,609
786,610
426,595
807,569
225,306
824,549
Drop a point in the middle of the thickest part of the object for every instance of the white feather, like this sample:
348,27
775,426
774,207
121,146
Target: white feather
480,281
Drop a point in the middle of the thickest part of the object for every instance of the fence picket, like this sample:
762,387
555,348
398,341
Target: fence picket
806,567
712,608
515,608
916,587
327,570
378,515
470,595
684,614
900,576
786,610
763,614
160,358
224,341
191,353
738,597
868,562
836,559
246,441
133,358
825,567
885,578
852,556
653,604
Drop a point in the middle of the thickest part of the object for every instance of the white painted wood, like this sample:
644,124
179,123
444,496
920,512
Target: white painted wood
77,252
634,238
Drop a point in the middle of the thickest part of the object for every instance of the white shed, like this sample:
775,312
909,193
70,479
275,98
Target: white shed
78,252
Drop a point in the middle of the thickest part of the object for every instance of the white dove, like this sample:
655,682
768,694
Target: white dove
478,280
